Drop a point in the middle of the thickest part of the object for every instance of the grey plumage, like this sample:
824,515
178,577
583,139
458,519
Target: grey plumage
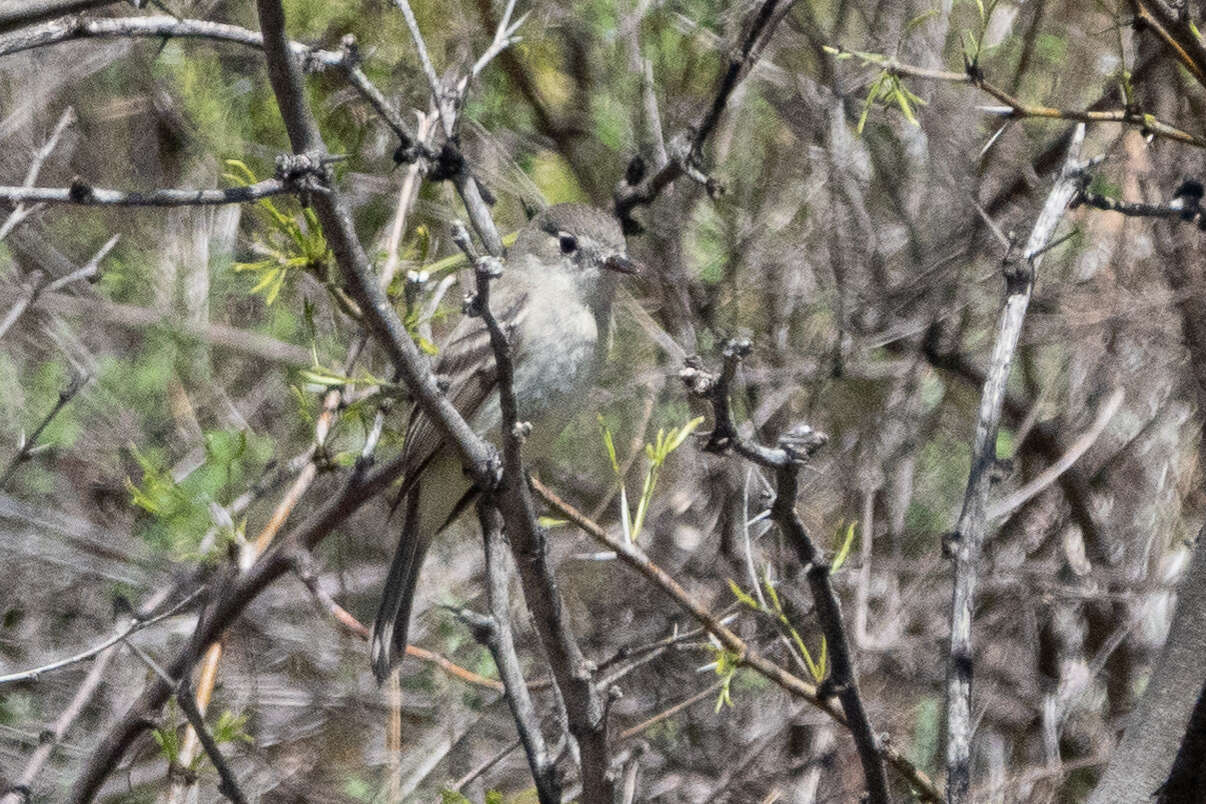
553,300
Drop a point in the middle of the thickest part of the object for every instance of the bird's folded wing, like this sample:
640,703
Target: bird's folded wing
467,364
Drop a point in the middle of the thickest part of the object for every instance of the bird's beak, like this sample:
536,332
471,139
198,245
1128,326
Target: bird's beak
621,264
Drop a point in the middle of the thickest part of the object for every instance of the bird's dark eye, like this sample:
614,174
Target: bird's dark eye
569,243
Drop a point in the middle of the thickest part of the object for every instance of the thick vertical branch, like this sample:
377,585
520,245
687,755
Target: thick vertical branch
572,672
497,634
1161,736
966,542
286,79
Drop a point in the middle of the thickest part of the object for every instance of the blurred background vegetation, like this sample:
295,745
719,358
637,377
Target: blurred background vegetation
858,263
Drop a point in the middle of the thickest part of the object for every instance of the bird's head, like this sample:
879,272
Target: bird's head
577,238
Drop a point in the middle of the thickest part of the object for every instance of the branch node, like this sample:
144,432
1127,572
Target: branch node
80,191
482,627
1000,470
491,471
736,349
489,268
802,442
698,380
951,542
636,170
449,162
975,73
305,173
350,50
460,236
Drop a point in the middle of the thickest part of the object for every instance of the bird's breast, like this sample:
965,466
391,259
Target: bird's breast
555,363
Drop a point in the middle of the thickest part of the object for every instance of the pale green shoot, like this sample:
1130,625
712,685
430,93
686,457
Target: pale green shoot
973,48
843,548
726,663
817,668
291,245
656,454
888,89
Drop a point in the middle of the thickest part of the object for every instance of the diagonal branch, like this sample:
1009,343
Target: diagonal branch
1005,507
35,167
35,673
39,284
232,600
746,654
286,79
640,188
229,786
1016,109
285,75
1176,31
793,450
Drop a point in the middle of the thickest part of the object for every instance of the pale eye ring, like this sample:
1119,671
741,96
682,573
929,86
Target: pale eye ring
569,243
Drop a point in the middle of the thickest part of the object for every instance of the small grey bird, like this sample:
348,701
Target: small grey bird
553,301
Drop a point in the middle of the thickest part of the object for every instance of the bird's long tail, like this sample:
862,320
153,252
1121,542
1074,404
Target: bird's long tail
393,617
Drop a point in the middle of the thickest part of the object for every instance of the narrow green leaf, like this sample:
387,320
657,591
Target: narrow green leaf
743,596
902,100
843,550
919,20
677,438
609,443
872,95
772,594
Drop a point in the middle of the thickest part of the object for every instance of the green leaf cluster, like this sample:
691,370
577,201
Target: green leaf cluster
656,454
179,509
290,245
817,668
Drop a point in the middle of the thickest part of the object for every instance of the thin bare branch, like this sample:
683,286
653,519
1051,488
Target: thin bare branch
1044,479
35,167
793,450
38,284
1016,109
347,58
497,635
29,443
640,186
35,673
966,541
229,786
139,319
84,194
